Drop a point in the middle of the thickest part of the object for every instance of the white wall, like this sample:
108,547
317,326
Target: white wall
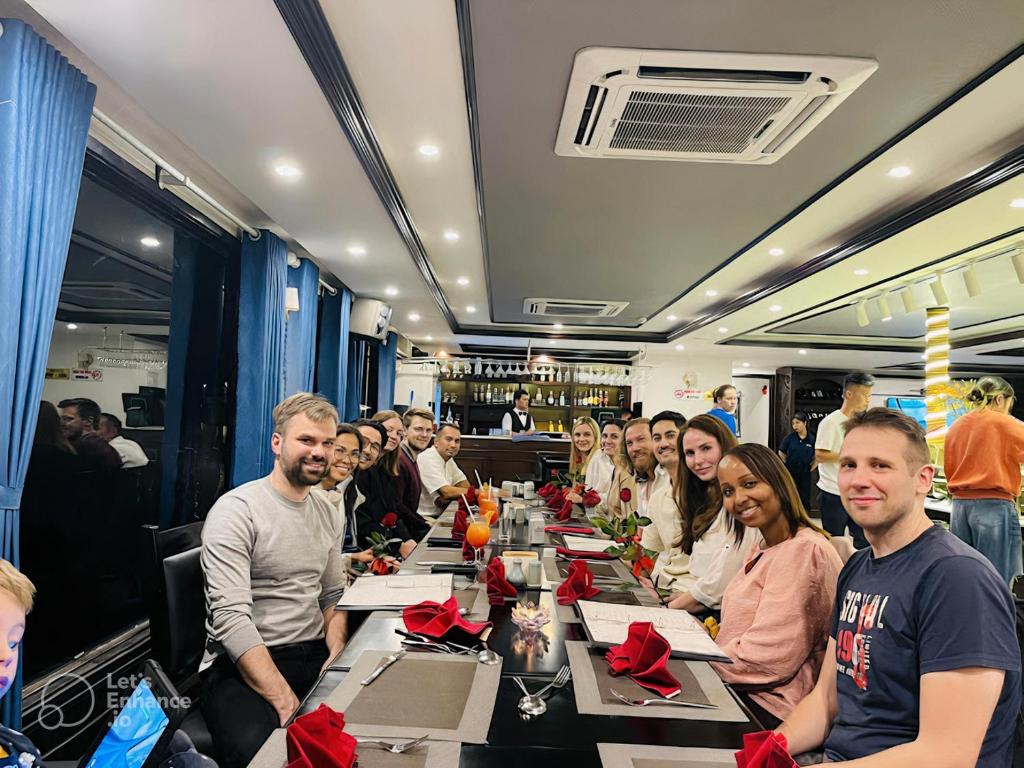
886,388
667,374
64,347
755,409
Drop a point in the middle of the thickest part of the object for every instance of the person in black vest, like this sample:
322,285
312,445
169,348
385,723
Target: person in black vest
518,419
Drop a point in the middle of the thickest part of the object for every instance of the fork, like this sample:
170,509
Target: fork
395,747
670,702
560,680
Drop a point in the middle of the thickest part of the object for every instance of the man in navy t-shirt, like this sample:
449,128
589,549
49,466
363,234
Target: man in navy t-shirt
926,666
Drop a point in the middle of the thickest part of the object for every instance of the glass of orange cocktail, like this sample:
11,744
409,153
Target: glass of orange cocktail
489,509
478,535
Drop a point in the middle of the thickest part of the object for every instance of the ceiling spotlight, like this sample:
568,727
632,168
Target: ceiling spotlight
72,327
391,290
971,282
775,252
414,316
746,365
429,150
288,171
900,171
559,326
801,351
1017,259
909,304
775,308
470,308
1017,202
356,250
939,291
149,241
711,293
673,318
862,313
463,281
883,308
722,329
860,272
552,342
428,338
680,347
451,235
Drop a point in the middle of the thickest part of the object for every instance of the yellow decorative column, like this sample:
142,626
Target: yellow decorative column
936,373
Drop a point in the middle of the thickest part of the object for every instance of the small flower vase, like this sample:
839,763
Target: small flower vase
516,577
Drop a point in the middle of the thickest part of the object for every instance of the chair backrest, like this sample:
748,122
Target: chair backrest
173,587
844,546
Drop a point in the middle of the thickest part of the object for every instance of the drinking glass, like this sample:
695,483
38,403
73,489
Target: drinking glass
478,536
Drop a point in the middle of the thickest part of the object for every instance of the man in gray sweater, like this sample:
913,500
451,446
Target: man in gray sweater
272,558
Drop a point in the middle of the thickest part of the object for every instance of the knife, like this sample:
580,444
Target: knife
384,664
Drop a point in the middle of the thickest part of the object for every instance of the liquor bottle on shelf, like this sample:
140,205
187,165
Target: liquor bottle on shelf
476,395
511,395
551,426
558,376
561,398
622,398
592,398
560,429
487,397
449,419
551,398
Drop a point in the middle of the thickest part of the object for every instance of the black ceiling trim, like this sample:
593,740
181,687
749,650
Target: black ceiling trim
639,338
775,325
786,344
957,329
1003,169
312,34
991,338
462,17
994,69
1012,352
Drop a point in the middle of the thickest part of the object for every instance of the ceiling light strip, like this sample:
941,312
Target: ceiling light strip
936,372
161,164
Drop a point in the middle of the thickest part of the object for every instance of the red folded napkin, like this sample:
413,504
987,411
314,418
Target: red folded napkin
644,659
461,523
577,529
578,584
318,740
585,555
564,512
438,619
498,587
470,495
468,553
764,749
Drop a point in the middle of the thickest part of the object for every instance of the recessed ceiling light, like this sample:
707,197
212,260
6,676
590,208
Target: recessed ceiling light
463,281
680,347
886,319
470,308
775,308
711,292
451,235
1017,202
149,241
428,338
924,357
391,290
429,150
900,171
559,326
860,272
802,351
746,365
288,171
723,329
552,342
414,316
72,327
671,318
357,250
775,252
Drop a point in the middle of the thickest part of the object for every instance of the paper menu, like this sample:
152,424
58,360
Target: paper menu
608,624
396,590
583,544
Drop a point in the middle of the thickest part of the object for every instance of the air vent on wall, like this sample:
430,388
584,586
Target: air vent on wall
697,106
573,307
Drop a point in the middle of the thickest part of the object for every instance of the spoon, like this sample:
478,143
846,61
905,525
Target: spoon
487,656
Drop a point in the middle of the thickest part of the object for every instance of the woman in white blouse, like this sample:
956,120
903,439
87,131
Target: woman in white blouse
706,546
603,464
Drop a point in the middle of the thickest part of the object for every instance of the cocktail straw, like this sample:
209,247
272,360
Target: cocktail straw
479,482
469,509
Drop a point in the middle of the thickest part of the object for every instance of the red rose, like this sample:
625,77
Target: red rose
625,495
642,565
390,520
380,567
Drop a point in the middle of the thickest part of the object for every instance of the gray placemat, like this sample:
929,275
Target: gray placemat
437,555
690,691
653,756
589,699
409,690
431,754
556,569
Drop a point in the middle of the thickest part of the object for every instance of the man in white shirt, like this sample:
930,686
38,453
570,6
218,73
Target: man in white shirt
441,478
856,398
518,420
131,453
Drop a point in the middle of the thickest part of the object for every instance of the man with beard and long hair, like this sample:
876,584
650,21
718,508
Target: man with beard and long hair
631,485
273,567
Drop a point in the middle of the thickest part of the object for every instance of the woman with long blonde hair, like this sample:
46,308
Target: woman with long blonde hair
586,444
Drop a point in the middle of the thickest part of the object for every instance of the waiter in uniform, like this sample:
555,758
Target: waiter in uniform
518,419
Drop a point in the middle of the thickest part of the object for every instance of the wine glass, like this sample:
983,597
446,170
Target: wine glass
489,372
478,536
501,371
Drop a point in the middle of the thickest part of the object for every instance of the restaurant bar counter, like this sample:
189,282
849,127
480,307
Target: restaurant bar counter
510,459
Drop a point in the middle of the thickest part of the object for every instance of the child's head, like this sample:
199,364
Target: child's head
16,593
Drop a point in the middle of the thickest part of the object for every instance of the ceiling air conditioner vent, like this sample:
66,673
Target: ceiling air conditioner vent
699,107
573,307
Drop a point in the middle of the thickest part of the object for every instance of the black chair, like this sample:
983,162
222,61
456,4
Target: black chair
548,464
172,582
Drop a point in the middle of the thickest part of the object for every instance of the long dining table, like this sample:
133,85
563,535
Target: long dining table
562,736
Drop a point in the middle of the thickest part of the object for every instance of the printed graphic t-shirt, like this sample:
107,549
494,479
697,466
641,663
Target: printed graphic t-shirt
934,606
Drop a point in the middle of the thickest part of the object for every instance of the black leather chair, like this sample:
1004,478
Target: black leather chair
548,464
172,581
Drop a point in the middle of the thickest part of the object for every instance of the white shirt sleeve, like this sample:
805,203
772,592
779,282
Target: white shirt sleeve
454,474
431,468
506,422
830,436
599,475
723,563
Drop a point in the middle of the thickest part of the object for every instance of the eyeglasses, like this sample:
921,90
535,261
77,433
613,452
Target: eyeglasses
350,456
371,449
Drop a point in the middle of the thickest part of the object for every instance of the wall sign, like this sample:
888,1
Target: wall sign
58,373
86,374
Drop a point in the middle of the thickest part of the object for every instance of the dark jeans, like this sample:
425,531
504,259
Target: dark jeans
239,719
835,520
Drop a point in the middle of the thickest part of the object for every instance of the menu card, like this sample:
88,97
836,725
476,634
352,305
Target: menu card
584,544
396,591
608,624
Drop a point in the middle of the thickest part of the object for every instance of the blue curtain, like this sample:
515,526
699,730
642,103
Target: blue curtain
45,108
354,383
332,364
300,330
387,359
260,354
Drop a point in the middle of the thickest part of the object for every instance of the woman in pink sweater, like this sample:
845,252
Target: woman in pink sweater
777,611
